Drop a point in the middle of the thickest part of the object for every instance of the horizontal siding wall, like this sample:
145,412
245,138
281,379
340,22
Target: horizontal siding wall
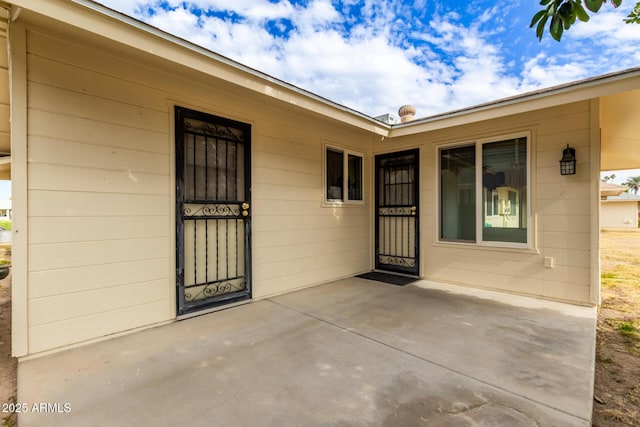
100,201
563,203
298,241
619,214
560,208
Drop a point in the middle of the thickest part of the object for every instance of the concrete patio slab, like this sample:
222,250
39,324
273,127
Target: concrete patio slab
350,353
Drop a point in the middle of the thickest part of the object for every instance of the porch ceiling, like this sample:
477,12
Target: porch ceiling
620,124
5,167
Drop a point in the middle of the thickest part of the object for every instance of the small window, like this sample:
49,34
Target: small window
343,176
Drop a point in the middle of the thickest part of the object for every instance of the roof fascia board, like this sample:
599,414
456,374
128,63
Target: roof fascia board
559,95
94,18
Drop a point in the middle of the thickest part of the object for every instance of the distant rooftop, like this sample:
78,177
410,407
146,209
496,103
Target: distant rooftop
608,189
624,197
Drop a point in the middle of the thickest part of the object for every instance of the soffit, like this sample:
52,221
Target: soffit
620,124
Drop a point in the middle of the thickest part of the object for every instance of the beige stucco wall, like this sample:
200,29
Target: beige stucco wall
619,214
101,201
561,209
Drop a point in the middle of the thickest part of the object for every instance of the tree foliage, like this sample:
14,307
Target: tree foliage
562,14
633,183
634,16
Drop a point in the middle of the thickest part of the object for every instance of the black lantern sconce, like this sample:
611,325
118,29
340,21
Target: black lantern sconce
568,162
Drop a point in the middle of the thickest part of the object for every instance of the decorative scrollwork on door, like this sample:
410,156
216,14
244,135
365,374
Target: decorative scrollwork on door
213,289
397,261
217,210
396,211
213,225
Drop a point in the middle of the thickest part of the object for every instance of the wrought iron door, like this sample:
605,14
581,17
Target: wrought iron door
213,215
397,212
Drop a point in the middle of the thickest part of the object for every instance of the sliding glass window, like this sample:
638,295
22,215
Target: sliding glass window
483,192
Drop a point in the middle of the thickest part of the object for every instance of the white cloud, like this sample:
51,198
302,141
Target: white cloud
256,10
607,27
544,71
318,14
179,22
602,45
476,73
128,7
367,74
617,42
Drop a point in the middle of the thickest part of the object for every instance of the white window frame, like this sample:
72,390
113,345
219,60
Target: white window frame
479,196
345,176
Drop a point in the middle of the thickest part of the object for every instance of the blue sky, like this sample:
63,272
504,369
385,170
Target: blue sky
5,190
376,55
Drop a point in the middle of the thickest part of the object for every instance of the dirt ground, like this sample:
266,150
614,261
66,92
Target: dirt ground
617,378
8,364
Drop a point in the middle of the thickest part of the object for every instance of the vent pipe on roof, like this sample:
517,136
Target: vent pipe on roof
407,113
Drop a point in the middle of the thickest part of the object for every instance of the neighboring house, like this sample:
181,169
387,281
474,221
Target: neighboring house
5,214
618,209
154,180
5,209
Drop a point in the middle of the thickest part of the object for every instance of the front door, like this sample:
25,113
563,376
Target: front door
213,215
397,212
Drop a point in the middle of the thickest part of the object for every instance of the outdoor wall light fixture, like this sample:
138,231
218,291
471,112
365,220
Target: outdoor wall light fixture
568,162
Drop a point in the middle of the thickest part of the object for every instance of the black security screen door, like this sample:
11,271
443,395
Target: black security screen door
213,215
397,212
